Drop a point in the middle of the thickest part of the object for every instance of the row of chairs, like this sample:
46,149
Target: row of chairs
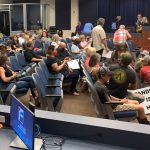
105,110
18,63
49,87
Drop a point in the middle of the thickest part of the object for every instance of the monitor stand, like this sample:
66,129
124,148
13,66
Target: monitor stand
18,143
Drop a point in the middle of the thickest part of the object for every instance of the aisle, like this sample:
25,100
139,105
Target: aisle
78,105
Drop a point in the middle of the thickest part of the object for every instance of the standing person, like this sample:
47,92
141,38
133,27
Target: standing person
103,76
123,77
121,36
99,37
87,29
118,21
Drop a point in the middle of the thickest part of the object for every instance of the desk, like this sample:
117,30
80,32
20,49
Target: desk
7,136
108,132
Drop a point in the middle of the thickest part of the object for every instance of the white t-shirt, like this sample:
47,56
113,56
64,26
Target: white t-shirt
75,49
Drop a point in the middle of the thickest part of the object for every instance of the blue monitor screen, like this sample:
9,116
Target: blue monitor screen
22,122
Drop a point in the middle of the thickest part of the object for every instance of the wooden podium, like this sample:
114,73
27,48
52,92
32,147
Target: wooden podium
143,41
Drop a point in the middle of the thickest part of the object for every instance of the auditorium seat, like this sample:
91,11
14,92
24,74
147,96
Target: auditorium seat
6,90
15,66
49,75
50,98
48,83
105,110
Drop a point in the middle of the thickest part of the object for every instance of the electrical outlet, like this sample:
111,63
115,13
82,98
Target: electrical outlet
2,119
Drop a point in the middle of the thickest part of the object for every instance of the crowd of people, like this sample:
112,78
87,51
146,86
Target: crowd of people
88,45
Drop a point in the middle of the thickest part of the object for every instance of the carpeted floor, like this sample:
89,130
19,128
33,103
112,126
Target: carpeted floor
79,105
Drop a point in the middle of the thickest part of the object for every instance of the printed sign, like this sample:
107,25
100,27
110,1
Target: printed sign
146,93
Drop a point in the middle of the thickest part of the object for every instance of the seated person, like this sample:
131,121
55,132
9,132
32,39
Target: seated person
55,40
7,75
103,76
60,33
89,52
145,70
44,37
56,65
138,63
15,43
21,39
94,65
83,42
30,54
62,51
75,49
145,21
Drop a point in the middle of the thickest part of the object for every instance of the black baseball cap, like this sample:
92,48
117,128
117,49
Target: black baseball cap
104,70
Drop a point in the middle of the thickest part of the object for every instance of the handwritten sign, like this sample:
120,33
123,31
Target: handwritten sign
146,93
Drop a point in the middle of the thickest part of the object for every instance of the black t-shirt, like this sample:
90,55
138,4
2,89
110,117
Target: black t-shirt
50,61
62,53
102,92
120,80
14,43
29,54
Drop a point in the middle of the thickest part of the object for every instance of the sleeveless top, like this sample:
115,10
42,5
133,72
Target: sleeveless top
8,73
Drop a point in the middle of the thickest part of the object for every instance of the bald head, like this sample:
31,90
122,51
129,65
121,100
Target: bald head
62,45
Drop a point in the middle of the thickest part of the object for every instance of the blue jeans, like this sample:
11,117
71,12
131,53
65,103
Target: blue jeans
25,83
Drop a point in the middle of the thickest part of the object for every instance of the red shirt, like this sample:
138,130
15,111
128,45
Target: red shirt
145,73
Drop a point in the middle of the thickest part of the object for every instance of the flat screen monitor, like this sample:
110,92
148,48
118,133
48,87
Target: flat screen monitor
22,122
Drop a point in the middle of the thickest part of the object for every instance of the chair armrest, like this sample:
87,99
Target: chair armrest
111,103
53,78
52,86
3,90
52,95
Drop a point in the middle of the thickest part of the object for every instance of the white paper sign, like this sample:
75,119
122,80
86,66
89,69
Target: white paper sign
73,64
106,54
146,93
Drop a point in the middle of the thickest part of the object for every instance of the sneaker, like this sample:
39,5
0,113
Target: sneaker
76,93
143,121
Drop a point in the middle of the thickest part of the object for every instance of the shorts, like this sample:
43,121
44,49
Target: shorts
123,107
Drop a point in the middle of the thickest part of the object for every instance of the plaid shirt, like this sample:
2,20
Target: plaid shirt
120,36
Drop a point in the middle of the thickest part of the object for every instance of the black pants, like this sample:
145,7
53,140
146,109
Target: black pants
73,77
100,51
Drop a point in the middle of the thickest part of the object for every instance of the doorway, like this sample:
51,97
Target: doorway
4,22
